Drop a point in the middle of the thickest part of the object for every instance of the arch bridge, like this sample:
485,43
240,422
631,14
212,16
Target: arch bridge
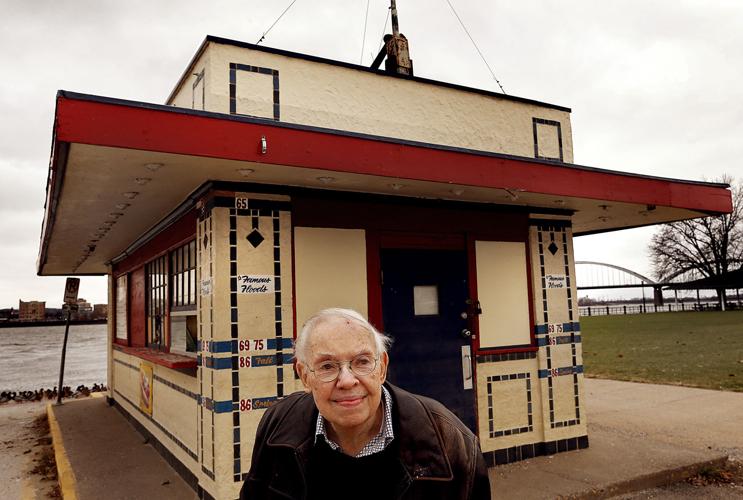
594,275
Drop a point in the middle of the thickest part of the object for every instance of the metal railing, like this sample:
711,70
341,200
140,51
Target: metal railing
605,310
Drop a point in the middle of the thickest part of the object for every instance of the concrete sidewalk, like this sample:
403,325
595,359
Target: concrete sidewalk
640,435
100,455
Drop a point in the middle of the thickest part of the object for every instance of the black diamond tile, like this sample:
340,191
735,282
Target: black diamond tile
552,248
206,240
255,238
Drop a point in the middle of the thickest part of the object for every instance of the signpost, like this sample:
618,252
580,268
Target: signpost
70,304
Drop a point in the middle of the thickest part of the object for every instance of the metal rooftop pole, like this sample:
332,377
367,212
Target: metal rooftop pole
395,26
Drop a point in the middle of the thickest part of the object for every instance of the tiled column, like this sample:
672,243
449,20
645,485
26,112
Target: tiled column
558,335
246,329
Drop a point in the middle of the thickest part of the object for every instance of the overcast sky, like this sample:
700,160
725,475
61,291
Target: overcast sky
655,86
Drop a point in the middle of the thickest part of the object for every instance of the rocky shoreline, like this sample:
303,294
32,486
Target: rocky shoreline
81,391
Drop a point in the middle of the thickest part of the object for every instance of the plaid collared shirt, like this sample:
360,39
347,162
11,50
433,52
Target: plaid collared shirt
378,443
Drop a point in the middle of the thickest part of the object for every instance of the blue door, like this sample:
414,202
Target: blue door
424,294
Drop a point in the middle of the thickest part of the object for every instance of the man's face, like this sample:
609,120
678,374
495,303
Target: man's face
350,403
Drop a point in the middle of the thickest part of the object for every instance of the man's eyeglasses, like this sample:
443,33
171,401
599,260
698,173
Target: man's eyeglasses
361,365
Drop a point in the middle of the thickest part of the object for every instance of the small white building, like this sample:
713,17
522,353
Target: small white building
272,184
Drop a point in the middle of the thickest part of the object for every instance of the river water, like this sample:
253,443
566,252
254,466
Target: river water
29,357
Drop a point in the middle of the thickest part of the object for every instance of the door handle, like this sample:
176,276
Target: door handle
467,367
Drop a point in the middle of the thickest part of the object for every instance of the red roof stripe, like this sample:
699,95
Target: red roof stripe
122,126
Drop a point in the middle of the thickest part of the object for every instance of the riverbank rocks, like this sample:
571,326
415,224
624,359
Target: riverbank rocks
21,396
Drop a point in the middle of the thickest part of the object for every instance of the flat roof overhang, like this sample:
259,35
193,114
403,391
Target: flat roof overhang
105,187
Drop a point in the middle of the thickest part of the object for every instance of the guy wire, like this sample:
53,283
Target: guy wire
274,23
475,44
363,37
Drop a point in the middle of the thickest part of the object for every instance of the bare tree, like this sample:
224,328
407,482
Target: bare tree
710,246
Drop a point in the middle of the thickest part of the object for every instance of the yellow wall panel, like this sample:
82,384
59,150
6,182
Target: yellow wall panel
503,293
330,270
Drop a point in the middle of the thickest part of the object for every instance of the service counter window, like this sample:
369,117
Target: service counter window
183,333
183,272
157,295
156,309
183,322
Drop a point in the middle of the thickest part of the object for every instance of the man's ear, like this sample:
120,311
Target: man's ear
384,360
303,376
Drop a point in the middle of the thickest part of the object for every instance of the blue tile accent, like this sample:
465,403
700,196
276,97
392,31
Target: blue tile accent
566,370
218,363
222,406
566,327
285,343
562,339
217,346
223,346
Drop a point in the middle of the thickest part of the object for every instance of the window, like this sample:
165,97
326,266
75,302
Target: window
183,322
170,300
426,300
183,333
183,271
157,293
121,316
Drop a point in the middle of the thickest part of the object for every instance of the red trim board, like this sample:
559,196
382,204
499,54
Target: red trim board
171,131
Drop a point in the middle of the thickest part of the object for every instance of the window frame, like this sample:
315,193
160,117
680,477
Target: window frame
121,308
157,294
182,275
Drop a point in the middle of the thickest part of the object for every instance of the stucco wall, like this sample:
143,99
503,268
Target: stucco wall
529,398
245,329
330,267
300,91
557,330
174,405
193,90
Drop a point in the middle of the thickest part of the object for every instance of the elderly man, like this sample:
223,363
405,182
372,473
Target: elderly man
354,436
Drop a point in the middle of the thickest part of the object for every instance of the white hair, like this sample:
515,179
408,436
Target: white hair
381,341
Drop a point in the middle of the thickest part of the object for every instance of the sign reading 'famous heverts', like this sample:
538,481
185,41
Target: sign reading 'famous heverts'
555,280
255,283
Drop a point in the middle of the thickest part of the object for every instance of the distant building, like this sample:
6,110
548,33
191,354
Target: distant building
8,314
31,311
100,311
84,307
54,314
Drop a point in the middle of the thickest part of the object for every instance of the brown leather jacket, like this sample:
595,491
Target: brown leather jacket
439,456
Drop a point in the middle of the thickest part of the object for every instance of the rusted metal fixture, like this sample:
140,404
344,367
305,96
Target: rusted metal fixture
395,49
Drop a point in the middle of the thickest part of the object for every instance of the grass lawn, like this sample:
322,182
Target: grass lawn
696,349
